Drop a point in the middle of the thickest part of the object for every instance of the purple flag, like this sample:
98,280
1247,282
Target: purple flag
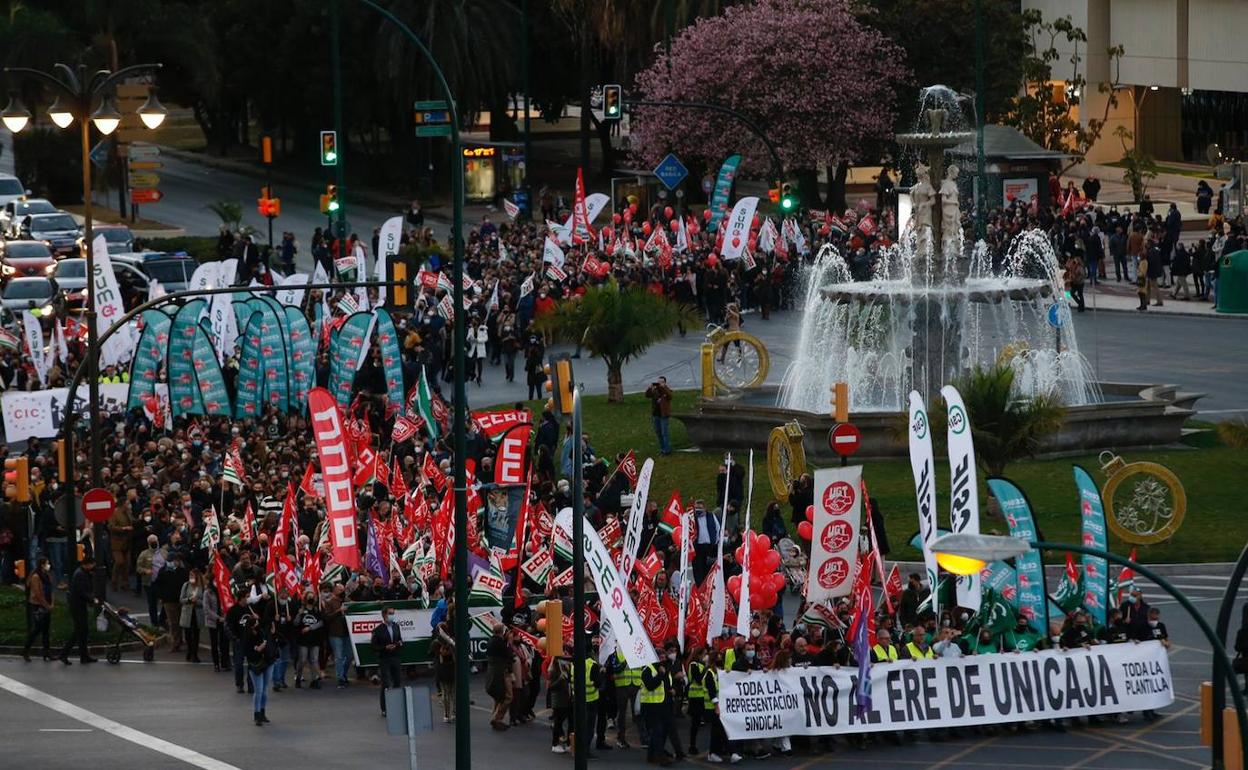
860,639
372,554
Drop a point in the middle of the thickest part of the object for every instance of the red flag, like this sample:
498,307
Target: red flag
494,424
1126,580
649,566
432,473
654,616
405,428
628,466
671,514
366,467
284,573
513,450
305,485
312,568
1072,572
862,580
398,484
1068,207
893,587
581,231
249,525
221,576
331,444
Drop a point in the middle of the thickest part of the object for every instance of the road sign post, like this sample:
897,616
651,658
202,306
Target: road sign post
844,439
670,171
98,505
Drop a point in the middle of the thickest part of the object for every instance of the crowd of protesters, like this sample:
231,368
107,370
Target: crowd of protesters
168,475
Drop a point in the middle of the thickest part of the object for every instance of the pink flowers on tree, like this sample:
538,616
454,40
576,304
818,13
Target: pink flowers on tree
816,79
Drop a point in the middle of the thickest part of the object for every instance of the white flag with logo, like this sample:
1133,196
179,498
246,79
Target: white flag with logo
552,253
921,461
739,222
963,486
109,307
220,312
34,343
387,244
835,529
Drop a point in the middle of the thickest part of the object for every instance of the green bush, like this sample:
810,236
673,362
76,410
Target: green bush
201,248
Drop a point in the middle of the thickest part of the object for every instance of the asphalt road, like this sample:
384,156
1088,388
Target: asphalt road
169,714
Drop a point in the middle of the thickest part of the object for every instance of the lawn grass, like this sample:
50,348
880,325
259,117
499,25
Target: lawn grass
1214,476
13,621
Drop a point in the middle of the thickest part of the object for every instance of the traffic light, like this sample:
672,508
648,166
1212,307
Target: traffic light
329,201
62,461
559,382
550,626
17,479
400,270
329,148
612,102
267,205
788,199
840,402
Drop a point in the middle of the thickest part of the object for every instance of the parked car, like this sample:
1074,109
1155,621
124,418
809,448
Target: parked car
59,230
11,188
118,238
15,211
173,271
28,294
71,278
20,259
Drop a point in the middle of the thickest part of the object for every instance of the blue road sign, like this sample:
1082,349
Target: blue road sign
1055,315
671,171
99,154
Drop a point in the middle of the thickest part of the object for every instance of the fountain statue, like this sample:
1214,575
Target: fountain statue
934,307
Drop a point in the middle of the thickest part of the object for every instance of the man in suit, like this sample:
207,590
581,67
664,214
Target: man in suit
388,645
81,596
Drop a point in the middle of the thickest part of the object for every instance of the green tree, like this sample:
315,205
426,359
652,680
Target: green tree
1005,425
1138,167
616,325
229,212
1046,111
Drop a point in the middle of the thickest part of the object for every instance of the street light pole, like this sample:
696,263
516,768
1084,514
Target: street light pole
80,91
580,674
981,178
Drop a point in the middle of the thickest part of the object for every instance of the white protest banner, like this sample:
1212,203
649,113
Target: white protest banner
361,274
387,244
947,692
552,253
538,566
33,333
636,517
292,295
963,487
38,413
738,224
109,307
834,548
511,209
221,312
921,461
617,606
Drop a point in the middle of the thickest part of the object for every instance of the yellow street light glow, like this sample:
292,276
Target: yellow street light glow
960,565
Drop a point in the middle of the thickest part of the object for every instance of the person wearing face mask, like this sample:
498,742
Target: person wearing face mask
39,600
387,643
309,632
192,615
261,653
1135,615
144,566
696,676
658,697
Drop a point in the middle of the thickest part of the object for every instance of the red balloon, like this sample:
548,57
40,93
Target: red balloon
645,228
606,233
740,554
706,215
753,243
805,530
763,600
763,542
667,212
777,582
825,230
616,218
628,217
756,584
810,513
773,560
734,583
632,208
712,260
675,224
693,227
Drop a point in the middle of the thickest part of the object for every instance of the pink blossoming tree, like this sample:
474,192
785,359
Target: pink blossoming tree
818,82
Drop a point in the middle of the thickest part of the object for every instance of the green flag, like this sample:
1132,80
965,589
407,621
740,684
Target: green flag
423,402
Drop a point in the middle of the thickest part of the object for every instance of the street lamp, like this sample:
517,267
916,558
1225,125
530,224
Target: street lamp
966,554
76,91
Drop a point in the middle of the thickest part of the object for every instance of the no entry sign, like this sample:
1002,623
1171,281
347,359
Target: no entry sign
98,505
844,439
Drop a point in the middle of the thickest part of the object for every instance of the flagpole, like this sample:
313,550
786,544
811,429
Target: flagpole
581,749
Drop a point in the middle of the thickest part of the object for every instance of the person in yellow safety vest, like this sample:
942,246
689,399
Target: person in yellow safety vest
697,676
919,649
111,375
883,651
734,652
595,704
627,683
721,748
658,688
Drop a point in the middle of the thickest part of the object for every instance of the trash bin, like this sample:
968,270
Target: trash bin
1233,283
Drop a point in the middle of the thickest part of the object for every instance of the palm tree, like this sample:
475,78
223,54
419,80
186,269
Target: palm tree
229,212
1005,426
616,325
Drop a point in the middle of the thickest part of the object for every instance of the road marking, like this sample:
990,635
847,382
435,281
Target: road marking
180,753
64,729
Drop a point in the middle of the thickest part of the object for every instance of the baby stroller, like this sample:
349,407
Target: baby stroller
793,564
127,626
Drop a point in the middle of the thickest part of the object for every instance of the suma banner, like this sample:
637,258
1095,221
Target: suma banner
944,693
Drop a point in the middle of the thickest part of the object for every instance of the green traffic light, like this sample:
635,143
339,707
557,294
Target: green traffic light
787,203
330,157
333,205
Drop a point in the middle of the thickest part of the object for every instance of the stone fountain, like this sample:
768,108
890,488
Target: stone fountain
933,308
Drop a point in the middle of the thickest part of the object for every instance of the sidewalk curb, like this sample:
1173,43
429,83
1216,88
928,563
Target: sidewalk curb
1179,313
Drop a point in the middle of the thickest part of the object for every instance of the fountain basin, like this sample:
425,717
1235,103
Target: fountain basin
989,291
1131,415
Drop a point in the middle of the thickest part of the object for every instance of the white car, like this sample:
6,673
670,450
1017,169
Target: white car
28,294
15,210
71,278
11,188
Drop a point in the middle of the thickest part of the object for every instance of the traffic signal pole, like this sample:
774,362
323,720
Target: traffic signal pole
335,26
579,646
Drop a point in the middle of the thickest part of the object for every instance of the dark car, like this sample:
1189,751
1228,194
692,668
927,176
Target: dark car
172,271
58,230
23,259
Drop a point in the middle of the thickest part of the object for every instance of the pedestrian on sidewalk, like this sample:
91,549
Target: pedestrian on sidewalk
261,651
1180,269
1141,283
39,600
1155,272
660,396
191,618
1076,275
81,596
1118,251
